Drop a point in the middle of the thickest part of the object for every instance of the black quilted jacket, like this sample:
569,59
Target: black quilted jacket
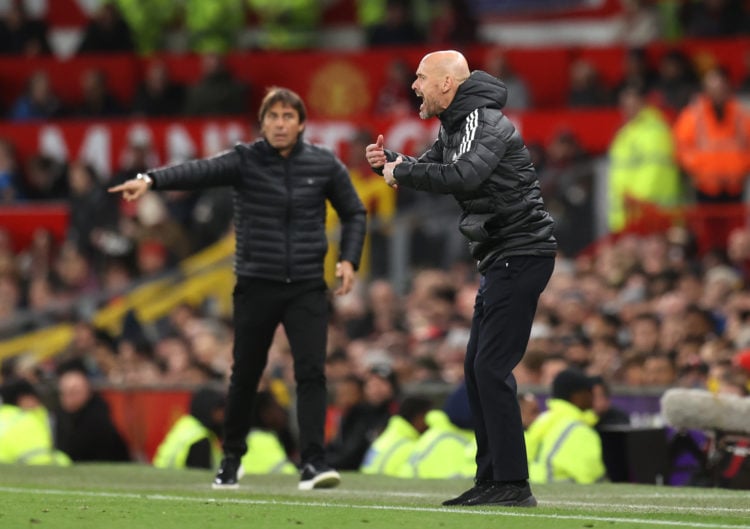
480,158
279,206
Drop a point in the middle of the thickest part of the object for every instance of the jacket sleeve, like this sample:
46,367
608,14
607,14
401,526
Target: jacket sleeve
433,155
481,147
220,170
351,211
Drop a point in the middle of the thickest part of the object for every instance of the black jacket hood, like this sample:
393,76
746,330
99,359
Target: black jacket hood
480,90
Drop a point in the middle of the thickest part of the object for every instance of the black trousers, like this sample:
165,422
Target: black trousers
503,313
259,306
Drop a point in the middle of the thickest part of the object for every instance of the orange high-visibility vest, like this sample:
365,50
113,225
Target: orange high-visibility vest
716,155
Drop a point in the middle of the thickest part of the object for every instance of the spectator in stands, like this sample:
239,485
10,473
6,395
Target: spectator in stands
712,18
10,184
213,26
636,72
193,440
25,431
394,97
38,101
453,23
396,28
562,443
45,179
283,284
675,83
713,142
496,63
642,164
458,163
529,409
106,32
21,35
287,24
567,185
84,428
391,450
157,95
217,91
640,23
97,100
92,209
586,88
149,21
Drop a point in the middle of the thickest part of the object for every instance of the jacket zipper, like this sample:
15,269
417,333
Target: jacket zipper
288,183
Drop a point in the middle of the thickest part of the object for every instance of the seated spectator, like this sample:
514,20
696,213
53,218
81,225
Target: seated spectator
391,450
21,35
396,28
157,95
675,82
519,97
193,440
149,21
38,101
106,32
712,18
217,91
213,26
567,185
586,88
10,177
287,24
640,23
636,72
443,451
562,445
25,432
642,164
45,179
265,452
97,100
395,98
84,429
453,23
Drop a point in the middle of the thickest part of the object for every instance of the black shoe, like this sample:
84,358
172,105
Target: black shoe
474,491
229,474
504,494
318,476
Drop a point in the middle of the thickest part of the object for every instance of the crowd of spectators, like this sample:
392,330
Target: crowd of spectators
639,311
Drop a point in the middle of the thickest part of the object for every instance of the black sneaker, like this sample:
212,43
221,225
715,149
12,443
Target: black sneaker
503,494
318,476
474,491
229,474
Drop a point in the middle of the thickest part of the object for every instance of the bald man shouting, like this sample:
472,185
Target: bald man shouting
482,161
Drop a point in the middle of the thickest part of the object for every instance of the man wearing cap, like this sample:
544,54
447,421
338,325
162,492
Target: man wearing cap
562,445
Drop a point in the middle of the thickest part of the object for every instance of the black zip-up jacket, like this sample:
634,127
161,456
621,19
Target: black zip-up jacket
279,206
480,158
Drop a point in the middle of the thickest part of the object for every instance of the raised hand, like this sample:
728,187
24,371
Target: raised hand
375,154
131,189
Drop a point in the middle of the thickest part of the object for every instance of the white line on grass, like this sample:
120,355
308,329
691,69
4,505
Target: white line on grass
325,505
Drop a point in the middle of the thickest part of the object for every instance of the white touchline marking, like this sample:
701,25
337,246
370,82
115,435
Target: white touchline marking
327,505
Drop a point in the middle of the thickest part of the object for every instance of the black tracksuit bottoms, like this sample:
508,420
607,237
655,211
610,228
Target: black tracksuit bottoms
259,306
503,313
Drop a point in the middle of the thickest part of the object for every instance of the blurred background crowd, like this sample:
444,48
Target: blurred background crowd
650,286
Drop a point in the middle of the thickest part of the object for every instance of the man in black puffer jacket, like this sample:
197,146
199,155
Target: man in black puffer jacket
481,160
280,185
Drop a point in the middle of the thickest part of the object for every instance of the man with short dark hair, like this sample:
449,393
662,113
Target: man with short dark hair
562,443
281,184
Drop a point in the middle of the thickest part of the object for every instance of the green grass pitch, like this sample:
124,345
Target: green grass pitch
140,497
